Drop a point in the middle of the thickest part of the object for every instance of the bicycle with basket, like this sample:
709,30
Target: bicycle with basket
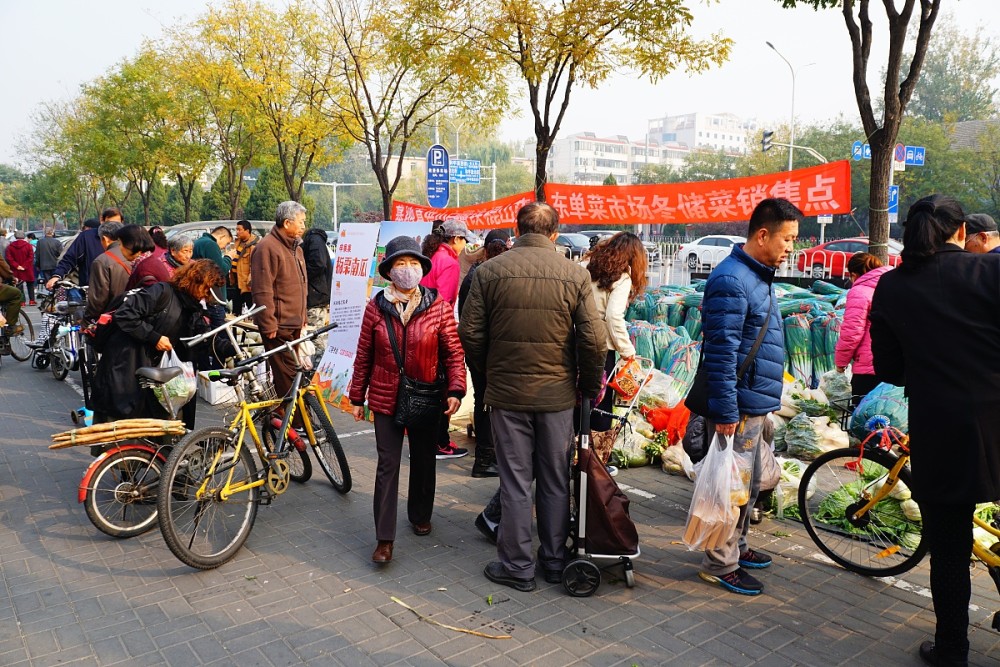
856,507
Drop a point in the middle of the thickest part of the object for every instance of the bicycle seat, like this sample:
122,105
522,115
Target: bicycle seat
229,373
158,375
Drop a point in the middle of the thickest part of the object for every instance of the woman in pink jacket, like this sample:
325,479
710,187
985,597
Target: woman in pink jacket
855,345
443,245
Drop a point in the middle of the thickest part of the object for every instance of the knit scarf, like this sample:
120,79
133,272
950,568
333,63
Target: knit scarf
406,305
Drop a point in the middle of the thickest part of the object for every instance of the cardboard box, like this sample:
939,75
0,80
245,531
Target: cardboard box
214,392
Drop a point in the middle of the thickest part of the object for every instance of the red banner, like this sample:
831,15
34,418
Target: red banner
490,215
815,190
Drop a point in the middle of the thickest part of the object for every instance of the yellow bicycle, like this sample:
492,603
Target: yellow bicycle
211,485
853,505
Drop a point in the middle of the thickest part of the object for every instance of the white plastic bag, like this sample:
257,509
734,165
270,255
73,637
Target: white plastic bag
712,517
177,392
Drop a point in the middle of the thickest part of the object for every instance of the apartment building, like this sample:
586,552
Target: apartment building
720,131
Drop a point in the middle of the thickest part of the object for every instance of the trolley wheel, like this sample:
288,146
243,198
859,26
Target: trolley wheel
581,578
629,572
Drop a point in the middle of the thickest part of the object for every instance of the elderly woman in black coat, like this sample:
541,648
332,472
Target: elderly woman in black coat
935,325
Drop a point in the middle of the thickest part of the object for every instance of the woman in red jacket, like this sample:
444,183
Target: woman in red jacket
21,258
854,347
427,337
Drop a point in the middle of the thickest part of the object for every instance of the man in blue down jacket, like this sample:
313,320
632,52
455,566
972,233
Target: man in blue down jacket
739,300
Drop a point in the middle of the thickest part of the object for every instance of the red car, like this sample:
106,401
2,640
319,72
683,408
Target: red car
830,259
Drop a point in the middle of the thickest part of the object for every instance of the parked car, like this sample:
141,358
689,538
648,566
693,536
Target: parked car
573,245
196,229
652,249
708,250
829,259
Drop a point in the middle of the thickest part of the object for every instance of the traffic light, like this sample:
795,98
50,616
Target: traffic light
765,141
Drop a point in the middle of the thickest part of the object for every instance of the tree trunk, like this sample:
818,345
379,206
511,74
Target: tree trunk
878,202
542,147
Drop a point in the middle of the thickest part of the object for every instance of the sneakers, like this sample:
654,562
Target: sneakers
754,560
498,574
32,303
450,451
484,528
612,470
737,581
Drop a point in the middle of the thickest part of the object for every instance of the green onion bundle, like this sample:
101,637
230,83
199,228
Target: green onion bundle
798,344
693,323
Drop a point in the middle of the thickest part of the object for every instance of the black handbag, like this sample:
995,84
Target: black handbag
416,401
697,398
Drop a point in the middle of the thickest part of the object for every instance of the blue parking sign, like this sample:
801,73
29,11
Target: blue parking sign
856,151
438,189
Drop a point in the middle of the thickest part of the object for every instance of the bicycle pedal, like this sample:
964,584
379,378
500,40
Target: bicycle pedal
277,456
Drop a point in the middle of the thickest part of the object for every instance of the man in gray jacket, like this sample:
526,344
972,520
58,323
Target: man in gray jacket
530,325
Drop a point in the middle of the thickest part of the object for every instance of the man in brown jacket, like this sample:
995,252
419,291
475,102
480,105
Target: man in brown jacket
531,326
278,282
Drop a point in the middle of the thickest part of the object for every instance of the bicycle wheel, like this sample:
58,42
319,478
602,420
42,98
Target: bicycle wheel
121,499
880,543
327,447
19,344
300,468
205,533
57,364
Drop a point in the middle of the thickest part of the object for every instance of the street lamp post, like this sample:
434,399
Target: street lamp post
335,185
791,121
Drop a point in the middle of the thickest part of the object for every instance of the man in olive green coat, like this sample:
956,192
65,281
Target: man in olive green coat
530,324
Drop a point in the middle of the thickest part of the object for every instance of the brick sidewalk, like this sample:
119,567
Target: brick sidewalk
303,590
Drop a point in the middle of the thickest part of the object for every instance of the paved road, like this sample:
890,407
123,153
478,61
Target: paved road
303,590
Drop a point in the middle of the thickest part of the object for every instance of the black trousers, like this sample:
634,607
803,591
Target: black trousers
423,474
948,529
481,418
861,386
600,414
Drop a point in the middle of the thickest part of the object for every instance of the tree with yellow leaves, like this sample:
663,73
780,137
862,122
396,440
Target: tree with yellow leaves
554,47
405,63
271,60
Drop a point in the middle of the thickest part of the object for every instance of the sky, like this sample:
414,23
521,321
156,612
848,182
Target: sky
51,47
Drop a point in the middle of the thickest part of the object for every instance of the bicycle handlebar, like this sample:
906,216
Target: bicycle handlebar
253,361
191,341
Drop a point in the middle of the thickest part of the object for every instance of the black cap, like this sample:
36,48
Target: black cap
498,235
976,223
398,247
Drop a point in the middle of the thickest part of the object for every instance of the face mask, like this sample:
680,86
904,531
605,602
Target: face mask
406,277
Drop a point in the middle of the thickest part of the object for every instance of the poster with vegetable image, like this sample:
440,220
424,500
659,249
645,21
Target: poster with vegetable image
353,270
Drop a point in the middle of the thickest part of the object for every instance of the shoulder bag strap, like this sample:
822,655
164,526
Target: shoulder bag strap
392,341
122,264
757,343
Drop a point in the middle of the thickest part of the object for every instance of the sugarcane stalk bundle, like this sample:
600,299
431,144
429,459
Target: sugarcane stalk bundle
122,429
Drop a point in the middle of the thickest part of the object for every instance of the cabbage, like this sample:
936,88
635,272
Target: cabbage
910,509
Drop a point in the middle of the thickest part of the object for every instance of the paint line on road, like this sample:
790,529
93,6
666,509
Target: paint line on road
351,435
72,383
639,492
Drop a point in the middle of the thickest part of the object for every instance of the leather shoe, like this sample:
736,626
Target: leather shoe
383,552
552,576
484,528
930,654
498,574
422,528
480,471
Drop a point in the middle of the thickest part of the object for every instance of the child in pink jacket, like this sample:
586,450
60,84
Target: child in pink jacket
855,345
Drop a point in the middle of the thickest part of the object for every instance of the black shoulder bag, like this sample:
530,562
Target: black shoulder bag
416,401
696,401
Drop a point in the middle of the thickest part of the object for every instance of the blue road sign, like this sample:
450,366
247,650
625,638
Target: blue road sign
856,151
438,189
915,155
894,199
866,151
465,171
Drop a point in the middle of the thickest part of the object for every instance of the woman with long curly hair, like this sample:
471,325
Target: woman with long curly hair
617,269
